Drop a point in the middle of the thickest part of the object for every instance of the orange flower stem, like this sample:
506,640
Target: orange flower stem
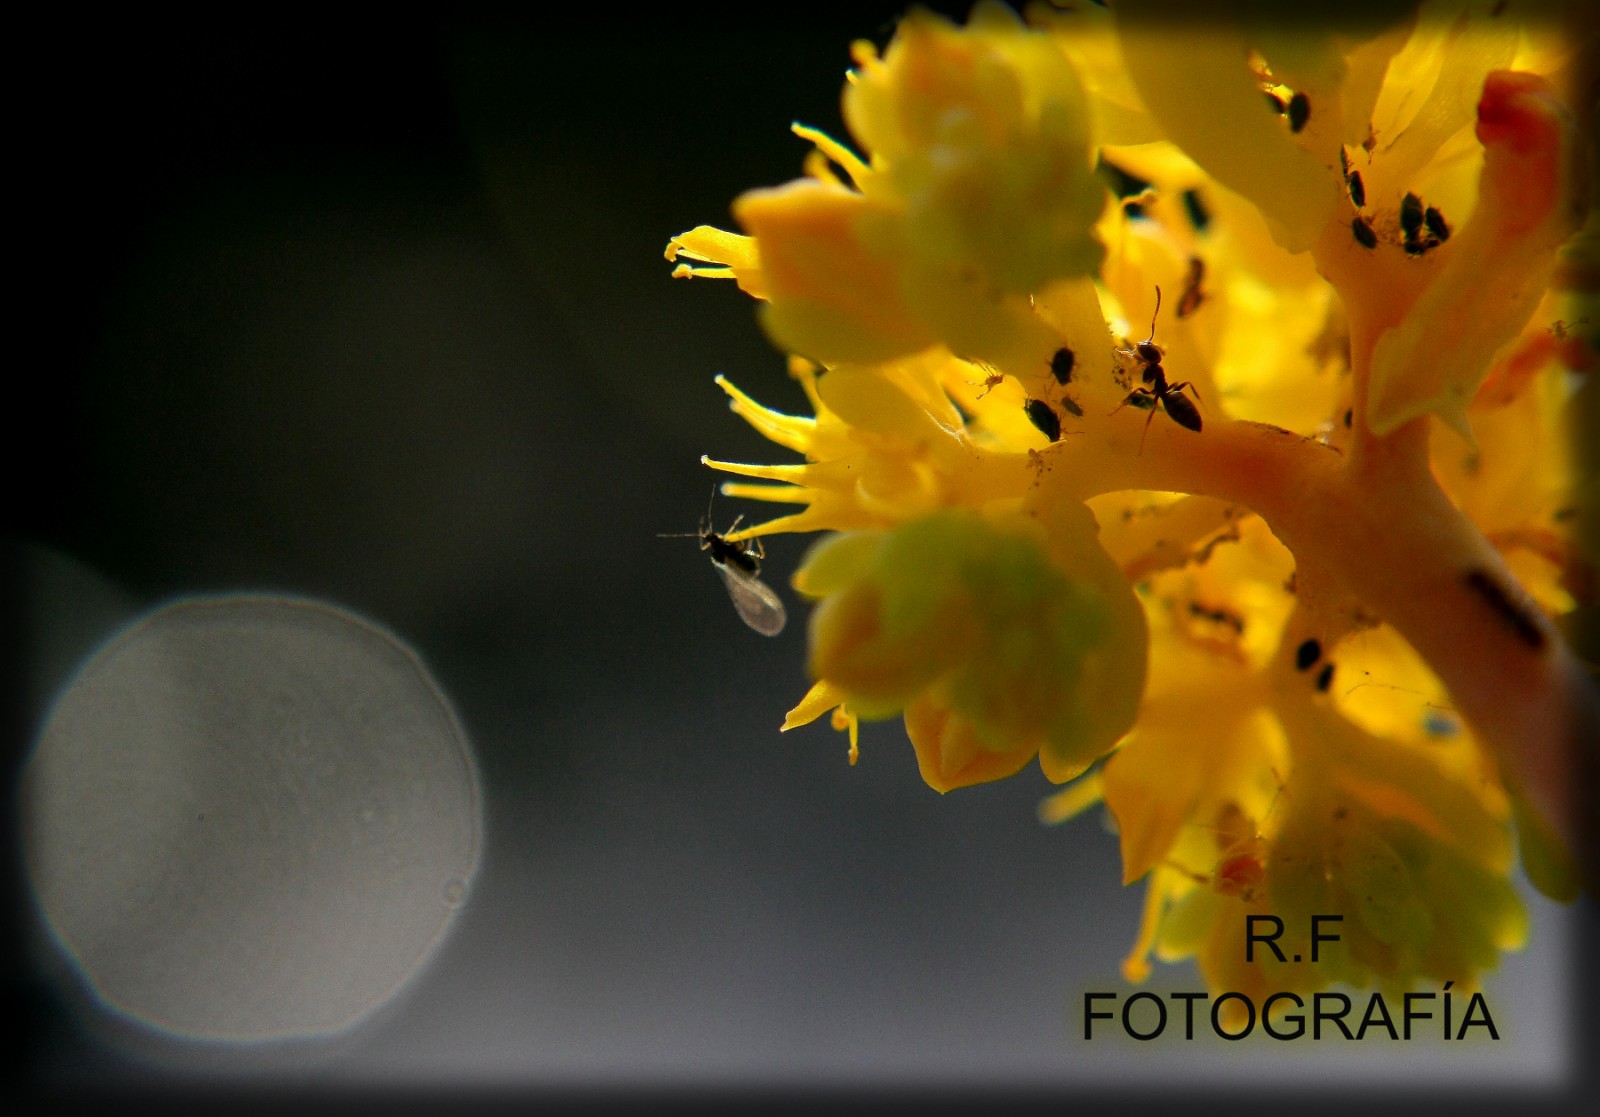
1379,528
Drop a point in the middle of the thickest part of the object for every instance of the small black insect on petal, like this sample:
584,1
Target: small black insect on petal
1435,222
1070,406
1299,111
1046,420
1061,365
1363,233
1410,216
1358,189
1517,618
1325,678
1307,654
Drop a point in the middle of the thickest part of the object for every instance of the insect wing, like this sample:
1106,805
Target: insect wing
758,606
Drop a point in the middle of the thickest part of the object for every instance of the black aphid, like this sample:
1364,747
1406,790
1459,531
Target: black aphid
1041,416
1358,189
1307,654
1363,233
1410,216
1299,111
1435,222
1061,365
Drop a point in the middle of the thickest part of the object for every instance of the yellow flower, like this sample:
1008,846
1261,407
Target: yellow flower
996,638
978,193
1235,493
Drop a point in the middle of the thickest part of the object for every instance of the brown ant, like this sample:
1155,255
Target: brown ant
1169,396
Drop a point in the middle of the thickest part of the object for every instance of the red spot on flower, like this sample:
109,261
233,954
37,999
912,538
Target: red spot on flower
1240,875
1515,111
1520,127
1514,371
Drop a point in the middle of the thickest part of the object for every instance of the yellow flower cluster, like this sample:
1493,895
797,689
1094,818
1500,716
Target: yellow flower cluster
999,637
1234,492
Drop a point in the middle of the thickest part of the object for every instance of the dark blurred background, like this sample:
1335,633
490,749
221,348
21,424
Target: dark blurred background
379,315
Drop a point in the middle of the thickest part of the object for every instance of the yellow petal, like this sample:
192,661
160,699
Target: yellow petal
1531,197
949,753
831,298
1228,131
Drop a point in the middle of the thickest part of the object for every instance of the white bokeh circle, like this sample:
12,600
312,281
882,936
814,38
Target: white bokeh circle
250,818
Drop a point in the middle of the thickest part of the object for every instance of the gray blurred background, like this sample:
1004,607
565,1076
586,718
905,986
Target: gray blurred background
380,316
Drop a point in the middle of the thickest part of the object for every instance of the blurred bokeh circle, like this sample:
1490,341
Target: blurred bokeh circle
250,818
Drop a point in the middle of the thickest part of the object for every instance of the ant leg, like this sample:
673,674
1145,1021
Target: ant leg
1142,393
1146,431
1189,384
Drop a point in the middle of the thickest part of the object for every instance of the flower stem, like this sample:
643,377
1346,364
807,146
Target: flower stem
1377,527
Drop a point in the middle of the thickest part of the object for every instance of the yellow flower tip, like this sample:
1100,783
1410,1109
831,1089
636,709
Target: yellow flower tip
1071,801
832,296
846,722
821,698
686,271
793,431
1136,970
950,753
832,149
1136,966
710,245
